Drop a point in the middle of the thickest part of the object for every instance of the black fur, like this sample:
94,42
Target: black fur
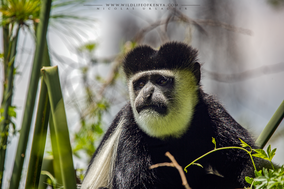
137,151
170,56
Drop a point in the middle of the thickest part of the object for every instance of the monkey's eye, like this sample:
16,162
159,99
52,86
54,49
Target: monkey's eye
162,81
139,85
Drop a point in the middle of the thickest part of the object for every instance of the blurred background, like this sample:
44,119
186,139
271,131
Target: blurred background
240,44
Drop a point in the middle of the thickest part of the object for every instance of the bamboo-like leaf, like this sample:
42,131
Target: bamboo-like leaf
39,138
31,96
271,126
59,130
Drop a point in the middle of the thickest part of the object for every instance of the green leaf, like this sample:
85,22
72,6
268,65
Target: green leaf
273,184
261,179
51,181
249,180
265,173
214,142
258,173
98,129
268,178
88,47
60,140
243,144
271,153
198,164
261,185
260,153
12,112
268,149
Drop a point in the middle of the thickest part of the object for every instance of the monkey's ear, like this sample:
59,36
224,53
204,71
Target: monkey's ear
196,71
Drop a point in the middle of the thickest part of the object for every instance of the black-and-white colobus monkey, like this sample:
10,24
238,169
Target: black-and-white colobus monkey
168,111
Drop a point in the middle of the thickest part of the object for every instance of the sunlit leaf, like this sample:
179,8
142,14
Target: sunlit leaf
249,180
198,164
214,142
271,153
260,153
12,111
258,173
243,143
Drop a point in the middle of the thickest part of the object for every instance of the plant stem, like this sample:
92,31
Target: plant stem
7,102
223,148
272,165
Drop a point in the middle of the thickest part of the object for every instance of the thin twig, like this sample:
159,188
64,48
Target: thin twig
168,164
237,77
175,164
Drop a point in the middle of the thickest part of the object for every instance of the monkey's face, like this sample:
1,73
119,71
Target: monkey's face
163,101
153,92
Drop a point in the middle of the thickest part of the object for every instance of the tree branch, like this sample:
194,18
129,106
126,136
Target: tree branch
175,164
237,77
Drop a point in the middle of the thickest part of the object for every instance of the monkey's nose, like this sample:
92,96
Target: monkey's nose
148,91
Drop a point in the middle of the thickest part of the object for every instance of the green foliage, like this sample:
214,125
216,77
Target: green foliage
19,11
12,114
16,15
91,106
80,173
51,181
89,47
261,153
90,131
265,178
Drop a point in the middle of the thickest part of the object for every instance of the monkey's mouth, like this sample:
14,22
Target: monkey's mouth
159,108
